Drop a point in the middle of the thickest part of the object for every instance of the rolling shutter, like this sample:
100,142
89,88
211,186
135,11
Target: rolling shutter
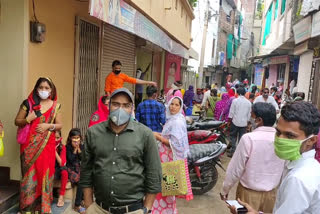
117,45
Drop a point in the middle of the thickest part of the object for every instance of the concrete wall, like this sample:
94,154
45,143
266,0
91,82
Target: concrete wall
13,70
175,19
305,72
55,56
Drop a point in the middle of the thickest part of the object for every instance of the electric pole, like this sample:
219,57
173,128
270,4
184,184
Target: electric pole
203,46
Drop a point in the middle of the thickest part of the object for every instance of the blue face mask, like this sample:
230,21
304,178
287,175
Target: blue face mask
119,116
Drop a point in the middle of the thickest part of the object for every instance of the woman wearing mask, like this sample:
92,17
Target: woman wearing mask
42,112
220,108
173,146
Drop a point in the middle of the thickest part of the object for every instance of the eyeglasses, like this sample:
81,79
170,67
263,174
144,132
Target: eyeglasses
123,105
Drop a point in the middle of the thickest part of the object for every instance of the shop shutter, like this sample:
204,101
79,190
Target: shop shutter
86,73
120,45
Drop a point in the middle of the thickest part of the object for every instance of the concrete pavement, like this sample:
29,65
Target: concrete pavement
209,203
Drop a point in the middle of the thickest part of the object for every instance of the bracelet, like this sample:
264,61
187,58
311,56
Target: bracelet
53,128
28,121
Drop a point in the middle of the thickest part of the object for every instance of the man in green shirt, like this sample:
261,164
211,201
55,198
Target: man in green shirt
120,164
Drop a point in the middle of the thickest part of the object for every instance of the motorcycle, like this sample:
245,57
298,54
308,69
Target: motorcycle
202,161
205,136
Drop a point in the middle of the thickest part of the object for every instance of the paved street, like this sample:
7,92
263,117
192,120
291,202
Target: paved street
208,203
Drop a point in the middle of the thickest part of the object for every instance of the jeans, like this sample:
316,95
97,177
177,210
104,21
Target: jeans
79,196
236,132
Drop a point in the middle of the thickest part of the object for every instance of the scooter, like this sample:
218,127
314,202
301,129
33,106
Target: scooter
202,161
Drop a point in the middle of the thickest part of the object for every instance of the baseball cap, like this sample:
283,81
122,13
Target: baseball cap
122,90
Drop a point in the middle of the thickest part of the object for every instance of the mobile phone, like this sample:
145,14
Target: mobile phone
240,208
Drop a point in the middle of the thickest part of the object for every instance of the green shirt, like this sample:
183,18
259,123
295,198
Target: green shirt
123,167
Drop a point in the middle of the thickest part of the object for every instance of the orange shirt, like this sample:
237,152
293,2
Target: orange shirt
114,81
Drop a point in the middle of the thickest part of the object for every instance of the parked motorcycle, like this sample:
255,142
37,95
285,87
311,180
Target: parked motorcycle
202,162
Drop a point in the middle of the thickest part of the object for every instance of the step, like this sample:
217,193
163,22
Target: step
9,196
66,209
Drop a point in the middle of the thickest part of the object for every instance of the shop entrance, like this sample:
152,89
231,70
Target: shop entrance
86,73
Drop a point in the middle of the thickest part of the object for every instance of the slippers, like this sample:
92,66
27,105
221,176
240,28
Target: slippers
80,209
60,202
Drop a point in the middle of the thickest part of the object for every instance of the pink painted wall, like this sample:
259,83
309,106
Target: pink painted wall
272,75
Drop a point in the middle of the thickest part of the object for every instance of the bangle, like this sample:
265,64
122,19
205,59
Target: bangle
53,128
28,121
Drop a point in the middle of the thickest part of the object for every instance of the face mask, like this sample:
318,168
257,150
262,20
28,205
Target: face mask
119,116
117,71
265,95
44,94
288,149
254,125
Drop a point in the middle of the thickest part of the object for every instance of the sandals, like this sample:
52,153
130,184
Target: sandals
80,209
60,202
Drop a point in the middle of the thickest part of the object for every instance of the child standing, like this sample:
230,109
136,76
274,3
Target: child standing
74,149
60,168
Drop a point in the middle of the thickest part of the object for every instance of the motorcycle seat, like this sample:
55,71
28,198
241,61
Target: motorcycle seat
209,124
198,151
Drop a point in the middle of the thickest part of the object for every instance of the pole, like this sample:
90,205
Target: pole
203,46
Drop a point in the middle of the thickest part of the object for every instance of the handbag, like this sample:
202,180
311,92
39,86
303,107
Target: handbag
174,177
23,132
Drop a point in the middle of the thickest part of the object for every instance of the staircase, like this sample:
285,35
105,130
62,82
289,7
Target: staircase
9,190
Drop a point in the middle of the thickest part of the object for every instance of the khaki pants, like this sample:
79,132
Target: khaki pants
259,200
96,209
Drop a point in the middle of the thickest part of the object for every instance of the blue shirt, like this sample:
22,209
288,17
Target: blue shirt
152,114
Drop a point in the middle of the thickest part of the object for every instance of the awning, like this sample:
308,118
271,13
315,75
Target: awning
193,54
131,20
309,6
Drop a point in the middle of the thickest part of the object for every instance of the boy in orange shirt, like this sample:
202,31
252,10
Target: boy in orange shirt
116,79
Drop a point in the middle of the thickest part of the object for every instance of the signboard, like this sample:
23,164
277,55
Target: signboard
172,70
315,24
258,75
302,30
120,14
221,58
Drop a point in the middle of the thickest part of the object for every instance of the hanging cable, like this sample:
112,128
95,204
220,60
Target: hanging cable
34,12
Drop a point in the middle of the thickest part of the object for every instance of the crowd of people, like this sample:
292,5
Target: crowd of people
118,161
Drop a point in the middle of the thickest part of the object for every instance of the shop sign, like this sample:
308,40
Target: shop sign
279,60
300,49
120,14
172,70
258,75
302,30
315,24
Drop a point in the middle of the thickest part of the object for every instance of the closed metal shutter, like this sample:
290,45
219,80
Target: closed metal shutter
86,73
117,45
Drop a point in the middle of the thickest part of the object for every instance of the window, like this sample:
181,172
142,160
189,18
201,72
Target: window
276,9
228,18
283,6
176,5
267,27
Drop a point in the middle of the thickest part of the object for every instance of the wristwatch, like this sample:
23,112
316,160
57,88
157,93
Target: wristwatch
145,210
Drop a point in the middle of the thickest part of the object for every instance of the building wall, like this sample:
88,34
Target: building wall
55,56
305,72
280,28
175,19
13,67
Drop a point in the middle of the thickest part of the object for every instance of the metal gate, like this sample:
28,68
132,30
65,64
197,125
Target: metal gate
120,45
86,73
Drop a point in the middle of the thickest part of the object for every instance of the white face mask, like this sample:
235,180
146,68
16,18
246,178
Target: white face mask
44,94
254,125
